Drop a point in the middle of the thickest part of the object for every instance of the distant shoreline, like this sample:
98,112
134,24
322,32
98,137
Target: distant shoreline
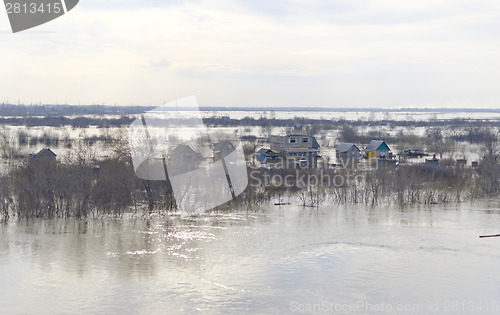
353,110
7,109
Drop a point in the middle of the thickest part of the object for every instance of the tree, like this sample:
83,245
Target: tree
349,134
489,166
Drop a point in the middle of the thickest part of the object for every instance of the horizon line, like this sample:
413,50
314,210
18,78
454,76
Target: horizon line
278,109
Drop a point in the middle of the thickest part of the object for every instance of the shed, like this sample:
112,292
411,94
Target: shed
45,154
377,148
184,159
347,150
222,149
266,154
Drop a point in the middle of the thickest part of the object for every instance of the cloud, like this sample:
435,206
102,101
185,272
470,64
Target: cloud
336,53
116,5
159,64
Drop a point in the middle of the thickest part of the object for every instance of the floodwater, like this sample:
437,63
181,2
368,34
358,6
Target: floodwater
335,259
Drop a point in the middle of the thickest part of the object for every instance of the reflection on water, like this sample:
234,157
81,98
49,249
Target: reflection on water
277,261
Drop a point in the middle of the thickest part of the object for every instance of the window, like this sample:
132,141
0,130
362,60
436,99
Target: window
305,140
292,140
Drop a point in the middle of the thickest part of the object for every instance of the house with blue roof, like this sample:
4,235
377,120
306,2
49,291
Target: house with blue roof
378,149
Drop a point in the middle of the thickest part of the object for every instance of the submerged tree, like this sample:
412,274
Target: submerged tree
489,166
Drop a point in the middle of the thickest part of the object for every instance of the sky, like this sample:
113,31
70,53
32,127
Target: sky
255,53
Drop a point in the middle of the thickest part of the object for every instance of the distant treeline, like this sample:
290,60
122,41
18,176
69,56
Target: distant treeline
327,124
60,121
74,115
69,110
471,133
9,109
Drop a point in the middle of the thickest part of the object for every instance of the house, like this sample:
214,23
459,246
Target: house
222,149
44,154
377,149
263,155
298,150
184,159
279,143
347,150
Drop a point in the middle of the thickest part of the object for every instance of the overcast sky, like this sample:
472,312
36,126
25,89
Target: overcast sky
280,53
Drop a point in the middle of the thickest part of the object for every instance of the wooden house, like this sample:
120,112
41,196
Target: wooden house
264,155
222,149
377,149
184,159
44,154
298,150
347,151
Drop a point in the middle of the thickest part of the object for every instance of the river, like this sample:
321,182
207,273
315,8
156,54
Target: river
335,259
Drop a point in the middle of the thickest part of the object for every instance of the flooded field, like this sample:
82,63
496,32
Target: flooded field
334,259
23,140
